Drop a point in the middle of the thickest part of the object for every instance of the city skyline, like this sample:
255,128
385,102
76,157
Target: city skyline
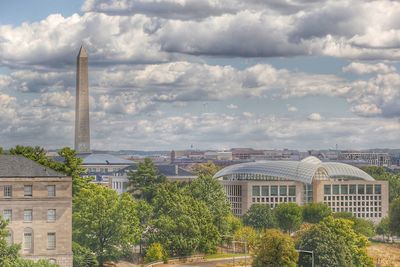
274,80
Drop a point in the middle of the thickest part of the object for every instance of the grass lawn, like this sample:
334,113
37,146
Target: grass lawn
386,254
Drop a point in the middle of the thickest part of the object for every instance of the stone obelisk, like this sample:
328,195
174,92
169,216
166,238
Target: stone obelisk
82,126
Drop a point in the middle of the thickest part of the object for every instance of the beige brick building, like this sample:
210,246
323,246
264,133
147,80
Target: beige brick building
344,188
37,201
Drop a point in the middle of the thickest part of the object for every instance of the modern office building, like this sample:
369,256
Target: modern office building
37,202
344,188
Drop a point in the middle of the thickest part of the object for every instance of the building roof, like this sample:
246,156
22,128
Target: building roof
302,171
103,159
19,166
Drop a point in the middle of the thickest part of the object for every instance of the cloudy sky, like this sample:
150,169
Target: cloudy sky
216,74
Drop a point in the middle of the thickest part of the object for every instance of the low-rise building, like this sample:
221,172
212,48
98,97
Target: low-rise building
37,202
344,188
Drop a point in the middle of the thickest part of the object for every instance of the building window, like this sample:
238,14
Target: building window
361,189
8,191
283,190
27,190
7,215
344,189
53,261
51,240
327,189
265,190
335,188
28,215
378,189
51,190
51,215
353,189
370,189
292,190
274,190
9,237
256,190
28,240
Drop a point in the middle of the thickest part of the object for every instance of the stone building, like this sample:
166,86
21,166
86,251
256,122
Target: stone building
37,202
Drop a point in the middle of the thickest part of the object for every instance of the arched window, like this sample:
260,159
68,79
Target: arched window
10,237
53,261
28,240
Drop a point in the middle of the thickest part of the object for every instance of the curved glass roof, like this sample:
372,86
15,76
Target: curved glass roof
302,171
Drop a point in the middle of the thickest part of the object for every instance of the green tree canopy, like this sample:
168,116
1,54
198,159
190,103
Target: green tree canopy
7,253
260,217
248,235
143,183
155,252
288,216
210,191
1,150
315,212
383,228
182,224
71,165
385,174
335,244
104,222
206,169
394,217
360,225
83,257
275,249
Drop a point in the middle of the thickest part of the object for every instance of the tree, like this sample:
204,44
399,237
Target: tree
1,151
143,183
394,217
385,174
360,226
83,257
335,244
71,165
315,212
206,169
234,224
210,191
288,216
275,249
182,224
155,252
7,253
104,222
248,235
383,228
260,217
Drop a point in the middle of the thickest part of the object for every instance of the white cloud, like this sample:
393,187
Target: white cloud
315,116
291,108
232,106
365,68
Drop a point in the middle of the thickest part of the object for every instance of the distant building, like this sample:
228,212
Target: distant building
37,202
218,155
344,188
246,153
371,158
119,180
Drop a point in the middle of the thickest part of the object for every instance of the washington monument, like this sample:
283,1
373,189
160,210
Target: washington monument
82,126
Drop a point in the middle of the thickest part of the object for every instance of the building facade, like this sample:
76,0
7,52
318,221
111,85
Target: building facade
344,188
371,158
37,202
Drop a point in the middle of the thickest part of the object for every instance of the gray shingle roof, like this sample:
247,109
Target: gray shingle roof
19,166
